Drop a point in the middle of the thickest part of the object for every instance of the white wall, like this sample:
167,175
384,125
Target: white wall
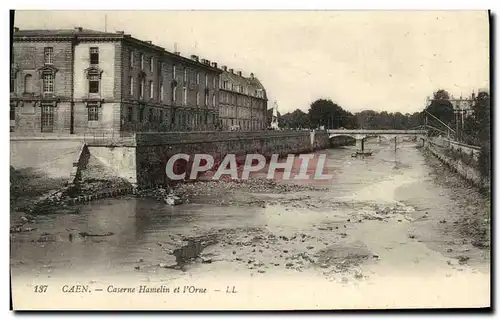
106,63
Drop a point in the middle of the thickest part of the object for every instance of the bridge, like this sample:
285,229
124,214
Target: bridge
355,133
362,134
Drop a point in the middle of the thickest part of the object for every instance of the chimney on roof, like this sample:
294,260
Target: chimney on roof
239,73
147,41
214,64
224,68
120,32
204,61
194,57
231,70
78,29
16,29
177,53
252,76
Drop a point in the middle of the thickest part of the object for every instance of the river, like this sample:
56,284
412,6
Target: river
385,233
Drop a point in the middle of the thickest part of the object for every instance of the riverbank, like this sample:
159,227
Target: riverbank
461,159
474,223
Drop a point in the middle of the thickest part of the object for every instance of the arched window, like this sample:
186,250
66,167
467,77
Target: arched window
28,83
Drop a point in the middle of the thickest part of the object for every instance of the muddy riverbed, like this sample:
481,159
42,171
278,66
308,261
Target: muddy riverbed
395,215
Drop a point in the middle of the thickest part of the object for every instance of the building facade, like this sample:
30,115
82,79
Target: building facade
243,101
90,82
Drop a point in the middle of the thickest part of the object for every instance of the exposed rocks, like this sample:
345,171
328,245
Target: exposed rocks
344,255
206,260
216,188
46,237
358,274
463,259
482,244
104,234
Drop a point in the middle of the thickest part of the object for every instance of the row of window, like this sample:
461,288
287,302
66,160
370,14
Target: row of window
244,124
186,74
225,84
151,90
231,112
94,87
233,87
238,100
160,116
48,55
48,77
94,60
48,83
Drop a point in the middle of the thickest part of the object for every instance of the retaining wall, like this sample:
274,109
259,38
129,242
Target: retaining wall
142,158
154,150
460,158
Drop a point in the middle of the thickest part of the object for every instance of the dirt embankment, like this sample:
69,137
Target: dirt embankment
474,223
33,192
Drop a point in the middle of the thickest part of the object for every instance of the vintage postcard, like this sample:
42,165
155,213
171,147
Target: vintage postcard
250,160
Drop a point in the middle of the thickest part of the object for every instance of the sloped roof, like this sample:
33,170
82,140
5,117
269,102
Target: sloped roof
251,84
60,32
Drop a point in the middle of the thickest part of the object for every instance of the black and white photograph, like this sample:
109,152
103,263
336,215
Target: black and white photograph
250,159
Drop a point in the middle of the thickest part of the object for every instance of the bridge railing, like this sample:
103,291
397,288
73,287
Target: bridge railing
381,131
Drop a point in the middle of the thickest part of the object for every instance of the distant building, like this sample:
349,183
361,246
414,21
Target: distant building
465,105
243,101
83,81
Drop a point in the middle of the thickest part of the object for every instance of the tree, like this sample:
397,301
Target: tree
442,109
441,95
366,119
296,119
329,114
482,110
369,119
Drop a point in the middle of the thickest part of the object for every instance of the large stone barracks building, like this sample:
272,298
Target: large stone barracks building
90,82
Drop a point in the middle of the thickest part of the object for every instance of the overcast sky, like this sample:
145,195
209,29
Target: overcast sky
361,60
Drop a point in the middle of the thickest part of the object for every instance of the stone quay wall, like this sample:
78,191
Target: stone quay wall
461,158
142,157
154,150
